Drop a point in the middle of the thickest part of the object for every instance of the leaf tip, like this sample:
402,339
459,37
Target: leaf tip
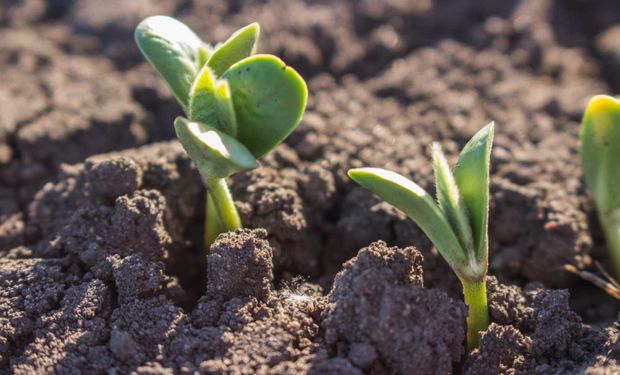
160,24
362,175
252,30
355,173
489,130
436,150
603,103
254,27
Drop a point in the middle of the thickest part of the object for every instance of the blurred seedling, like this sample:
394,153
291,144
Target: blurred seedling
457,223
599,146
238,105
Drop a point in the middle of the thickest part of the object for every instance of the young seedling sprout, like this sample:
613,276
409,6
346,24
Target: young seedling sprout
457,223
599,139
238,105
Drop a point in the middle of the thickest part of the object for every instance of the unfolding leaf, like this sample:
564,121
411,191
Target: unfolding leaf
174,51
239,46
472,178
414,201
216,154
210,102
450,201
269,99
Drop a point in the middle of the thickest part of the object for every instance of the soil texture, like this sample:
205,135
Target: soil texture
102,269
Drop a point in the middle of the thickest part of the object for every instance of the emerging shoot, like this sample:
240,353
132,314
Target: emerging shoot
457,223
238,106
599,139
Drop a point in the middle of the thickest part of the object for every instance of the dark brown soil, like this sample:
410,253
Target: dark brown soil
101,264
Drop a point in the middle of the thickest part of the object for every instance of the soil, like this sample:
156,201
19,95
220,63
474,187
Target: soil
102,267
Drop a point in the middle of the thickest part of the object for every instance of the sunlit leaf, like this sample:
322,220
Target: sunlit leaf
600,151
472,178
174,51
450,201
216,154
269,98
240,45
210,102
416,203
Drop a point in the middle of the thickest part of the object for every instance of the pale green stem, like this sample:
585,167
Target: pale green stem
611,228
475,294
212,222
224,205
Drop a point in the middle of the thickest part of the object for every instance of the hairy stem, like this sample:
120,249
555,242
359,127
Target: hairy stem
478,317
212,222
224,205
611,228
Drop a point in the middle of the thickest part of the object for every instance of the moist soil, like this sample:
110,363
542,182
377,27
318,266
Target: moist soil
102,268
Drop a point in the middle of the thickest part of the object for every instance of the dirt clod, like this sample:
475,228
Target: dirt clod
113,178
240,265
137,278
508,304
502,351
378,301
554,336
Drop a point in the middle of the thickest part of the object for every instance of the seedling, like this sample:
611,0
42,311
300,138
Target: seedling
238,105
599,147
457,223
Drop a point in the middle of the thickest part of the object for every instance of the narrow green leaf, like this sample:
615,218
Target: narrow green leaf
472,178
216,154
419,206
450,201
240,45
210,102
600,151
173,50
269,99
204,53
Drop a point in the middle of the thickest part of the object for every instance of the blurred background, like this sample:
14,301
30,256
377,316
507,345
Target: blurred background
386,78
68,65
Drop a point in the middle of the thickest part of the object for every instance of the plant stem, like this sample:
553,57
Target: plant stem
611,228
212,222
475,294
223,205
